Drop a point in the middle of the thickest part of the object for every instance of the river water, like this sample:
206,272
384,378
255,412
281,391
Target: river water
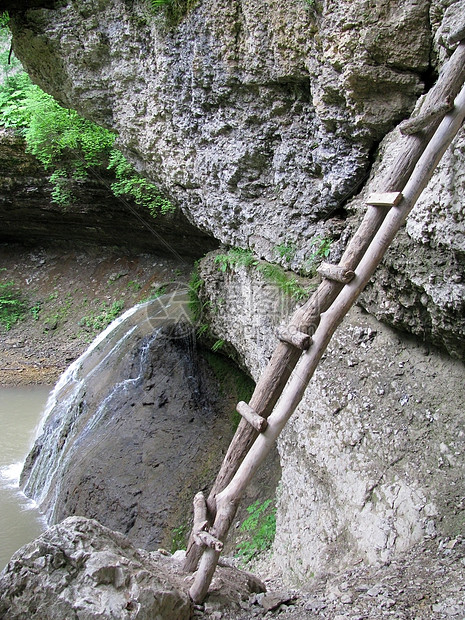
20,413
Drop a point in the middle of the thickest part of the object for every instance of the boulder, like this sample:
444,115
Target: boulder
80,569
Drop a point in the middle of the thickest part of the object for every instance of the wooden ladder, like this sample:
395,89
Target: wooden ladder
301,345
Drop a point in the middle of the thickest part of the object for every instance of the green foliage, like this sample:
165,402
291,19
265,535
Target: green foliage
98,322
130,184
68,145
65,143
275,274
178,538
160,290
290,285
216,346
4,19
134,286
235,257
286,251
13,306
261,523
35,310
13,93
321,248
195,305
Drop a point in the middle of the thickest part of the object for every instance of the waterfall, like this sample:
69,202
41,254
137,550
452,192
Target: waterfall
89,394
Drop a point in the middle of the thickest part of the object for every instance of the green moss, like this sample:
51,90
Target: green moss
13,305
195,286
273,273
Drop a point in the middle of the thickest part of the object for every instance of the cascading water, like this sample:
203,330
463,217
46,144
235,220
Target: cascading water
97,444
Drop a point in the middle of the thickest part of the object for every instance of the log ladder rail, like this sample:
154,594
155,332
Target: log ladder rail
303,343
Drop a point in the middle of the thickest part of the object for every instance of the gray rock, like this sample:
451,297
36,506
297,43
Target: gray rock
249,114
135,431
80,569
96,216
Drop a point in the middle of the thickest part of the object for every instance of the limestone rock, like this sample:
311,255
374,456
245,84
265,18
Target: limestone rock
420,285
249,114
81,569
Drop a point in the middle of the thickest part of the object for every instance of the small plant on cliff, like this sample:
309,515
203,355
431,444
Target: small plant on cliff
320,249
4,19
195,286
98,322
130,184
286,251
13,306
273,273
235,257
261,526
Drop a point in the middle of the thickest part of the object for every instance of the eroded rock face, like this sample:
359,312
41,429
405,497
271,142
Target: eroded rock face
259,119
420,286
372,458
81,569
256,117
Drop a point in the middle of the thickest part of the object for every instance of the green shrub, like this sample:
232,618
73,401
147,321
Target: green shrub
68,145
261,524
98,322
13,306
130,184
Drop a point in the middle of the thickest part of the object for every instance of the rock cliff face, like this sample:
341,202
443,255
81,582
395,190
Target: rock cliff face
371,461
249,114
262,121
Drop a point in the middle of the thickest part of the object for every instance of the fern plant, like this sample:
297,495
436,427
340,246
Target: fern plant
130,184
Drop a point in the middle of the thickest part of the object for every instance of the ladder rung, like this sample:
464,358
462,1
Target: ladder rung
203,538
297,339
385,199
416,124
336,272
252,416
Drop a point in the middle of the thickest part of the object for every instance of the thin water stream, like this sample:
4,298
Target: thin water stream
20,413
